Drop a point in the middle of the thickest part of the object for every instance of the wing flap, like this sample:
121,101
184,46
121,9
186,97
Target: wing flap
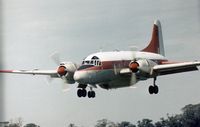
175,68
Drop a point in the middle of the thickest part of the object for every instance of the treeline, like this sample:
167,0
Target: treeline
18,122
17,125
190,117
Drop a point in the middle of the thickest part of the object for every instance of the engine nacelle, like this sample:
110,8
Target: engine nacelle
66,70
142,65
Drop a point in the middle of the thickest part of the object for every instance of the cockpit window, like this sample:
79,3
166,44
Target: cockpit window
94,61
95,57
91,62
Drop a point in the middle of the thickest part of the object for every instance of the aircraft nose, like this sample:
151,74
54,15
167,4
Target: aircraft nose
80,76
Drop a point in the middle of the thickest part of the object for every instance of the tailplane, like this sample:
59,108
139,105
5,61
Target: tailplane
156,44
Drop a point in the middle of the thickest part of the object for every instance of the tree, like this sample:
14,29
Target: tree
31,125
18,122
145,123
125,124
191,115
105,123
72,125
171,121
13,125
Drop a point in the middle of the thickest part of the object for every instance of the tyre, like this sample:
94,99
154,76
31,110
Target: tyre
79,93
156,89
151,89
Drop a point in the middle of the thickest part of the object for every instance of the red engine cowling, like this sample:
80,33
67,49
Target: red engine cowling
142,65
66,70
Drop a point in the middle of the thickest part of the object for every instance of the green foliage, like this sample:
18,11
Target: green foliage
145,123
72,125
105,123
191,115
189,118
31,125
170,121
13,125
125,124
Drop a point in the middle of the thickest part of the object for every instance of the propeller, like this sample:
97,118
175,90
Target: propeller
61,71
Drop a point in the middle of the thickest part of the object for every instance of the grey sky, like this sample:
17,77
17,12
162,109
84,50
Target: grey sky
34,29
1,65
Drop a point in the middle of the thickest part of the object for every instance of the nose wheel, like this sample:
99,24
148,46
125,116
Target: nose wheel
153,89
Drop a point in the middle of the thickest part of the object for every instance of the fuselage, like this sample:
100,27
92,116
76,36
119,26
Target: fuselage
103,68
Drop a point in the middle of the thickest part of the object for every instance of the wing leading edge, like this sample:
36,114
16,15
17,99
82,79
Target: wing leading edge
52,73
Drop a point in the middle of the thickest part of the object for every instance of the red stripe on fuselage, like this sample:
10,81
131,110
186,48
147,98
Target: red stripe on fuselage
106,65
6,71
168,62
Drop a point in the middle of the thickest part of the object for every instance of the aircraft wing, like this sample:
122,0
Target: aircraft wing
52,73
169,68
172,68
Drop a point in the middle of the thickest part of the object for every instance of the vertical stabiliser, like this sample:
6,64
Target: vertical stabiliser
156,44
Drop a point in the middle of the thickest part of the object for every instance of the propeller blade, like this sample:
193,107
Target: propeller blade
133,79
48,80
55,57
65,85
115,69
134,49
133,87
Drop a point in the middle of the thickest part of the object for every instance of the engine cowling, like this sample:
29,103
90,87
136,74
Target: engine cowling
66,70
142,65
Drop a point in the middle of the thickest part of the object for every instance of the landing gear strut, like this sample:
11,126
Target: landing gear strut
153,89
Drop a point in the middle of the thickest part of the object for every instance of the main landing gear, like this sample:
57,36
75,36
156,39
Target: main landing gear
82,92
153,89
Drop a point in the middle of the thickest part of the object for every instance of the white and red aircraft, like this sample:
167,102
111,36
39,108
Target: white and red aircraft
117,69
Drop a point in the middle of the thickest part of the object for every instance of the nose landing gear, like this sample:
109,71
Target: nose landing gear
154,89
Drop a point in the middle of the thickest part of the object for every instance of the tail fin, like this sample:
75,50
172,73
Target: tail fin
156,44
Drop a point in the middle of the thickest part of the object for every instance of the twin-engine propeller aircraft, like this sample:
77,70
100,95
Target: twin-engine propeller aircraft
117,69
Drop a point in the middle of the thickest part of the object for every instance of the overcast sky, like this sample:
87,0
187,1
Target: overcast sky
34,29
